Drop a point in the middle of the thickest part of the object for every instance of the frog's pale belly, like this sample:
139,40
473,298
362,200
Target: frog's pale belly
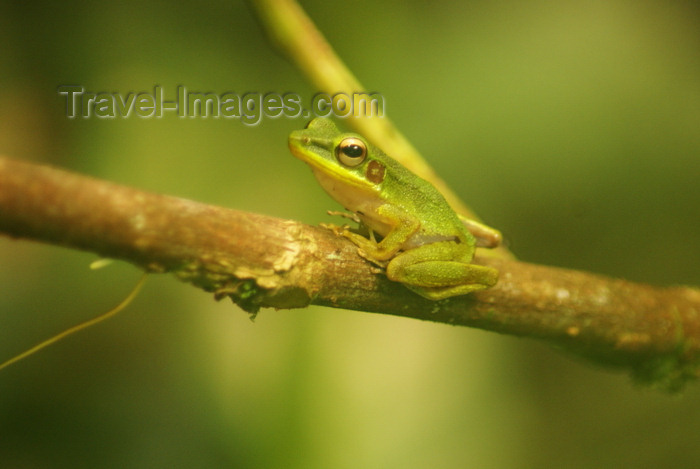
419,238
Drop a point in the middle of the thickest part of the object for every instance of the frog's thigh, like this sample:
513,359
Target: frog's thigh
415,268
433,274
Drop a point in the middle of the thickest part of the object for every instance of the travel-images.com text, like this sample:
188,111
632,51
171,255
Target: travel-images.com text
250,107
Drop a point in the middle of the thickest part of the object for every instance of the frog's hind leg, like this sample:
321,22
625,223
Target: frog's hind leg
432,276
469,279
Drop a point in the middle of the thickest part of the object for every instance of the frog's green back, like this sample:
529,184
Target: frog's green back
416,195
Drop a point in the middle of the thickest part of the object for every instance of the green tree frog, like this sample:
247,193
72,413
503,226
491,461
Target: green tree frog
424,244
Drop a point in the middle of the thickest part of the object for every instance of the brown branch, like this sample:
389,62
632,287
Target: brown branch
261,261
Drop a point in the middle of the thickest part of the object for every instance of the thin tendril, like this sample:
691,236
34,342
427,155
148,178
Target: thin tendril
84,325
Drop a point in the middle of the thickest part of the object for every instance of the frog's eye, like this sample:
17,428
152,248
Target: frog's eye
351,151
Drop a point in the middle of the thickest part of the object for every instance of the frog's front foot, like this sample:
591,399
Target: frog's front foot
363,254
349,215
336,229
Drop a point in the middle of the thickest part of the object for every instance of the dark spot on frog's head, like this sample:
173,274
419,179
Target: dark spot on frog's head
375,172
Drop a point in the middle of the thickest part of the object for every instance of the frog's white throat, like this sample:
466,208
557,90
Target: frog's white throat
362,199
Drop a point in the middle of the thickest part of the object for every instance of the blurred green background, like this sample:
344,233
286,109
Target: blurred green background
574,127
